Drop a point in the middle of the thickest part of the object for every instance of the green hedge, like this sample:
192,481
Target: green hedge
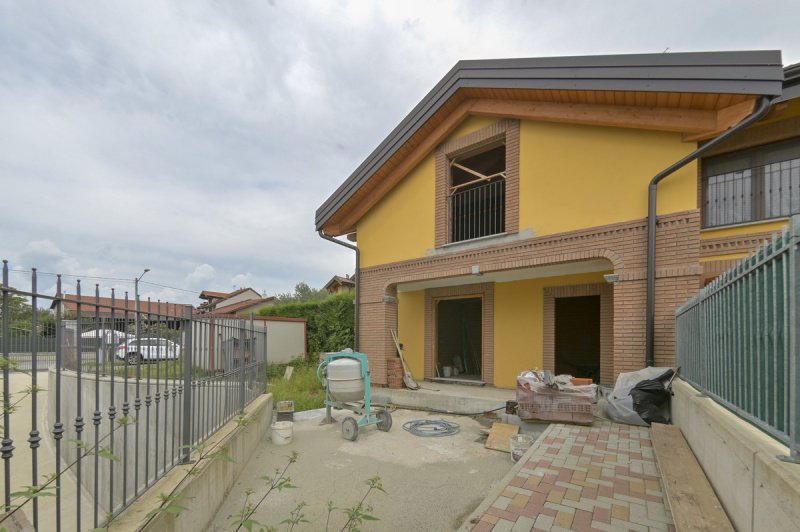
330,321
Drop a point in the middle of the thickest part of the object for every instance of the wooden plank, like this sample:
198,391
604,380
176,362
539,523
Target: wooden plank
691,498
500,436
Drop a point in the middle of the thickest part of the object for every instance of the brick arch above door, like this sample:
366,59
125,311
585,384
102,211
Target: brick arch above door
606,294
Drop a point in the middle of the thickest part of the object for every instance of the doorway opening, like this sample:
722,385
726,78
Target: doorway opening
459,338
577,332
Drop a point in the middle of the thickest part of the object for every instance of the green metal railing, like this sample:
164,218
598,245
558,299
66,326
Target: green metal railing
737,339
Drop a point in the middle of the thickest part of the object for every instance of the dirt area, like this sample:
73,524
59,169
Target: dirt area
430,483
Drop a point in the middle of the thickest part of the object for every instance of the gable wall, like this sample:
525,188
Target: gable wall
571,177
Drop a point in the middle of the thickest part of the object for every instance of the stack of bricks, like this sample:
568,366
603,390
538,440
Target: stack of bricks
394,373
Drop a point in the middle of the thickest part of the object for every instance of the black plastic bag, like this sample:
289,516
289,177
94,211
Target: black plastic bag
651,399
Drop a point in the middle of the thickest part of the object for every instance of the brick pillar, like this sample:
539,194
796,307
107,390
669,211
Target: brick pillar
629,325
378,314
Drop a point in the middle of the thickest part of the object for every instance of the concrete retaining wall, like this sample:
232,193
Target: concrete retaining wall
758,491
166,424
203,491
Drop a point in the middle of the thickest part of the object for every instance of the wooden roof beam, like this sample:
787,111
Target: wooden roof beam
690,121
726,119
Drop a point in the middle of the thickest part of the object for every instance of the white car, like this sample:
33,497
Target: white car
135,351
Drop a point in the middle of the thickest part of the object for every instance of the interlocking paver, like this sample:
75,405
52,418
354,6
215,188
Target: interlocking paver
602,477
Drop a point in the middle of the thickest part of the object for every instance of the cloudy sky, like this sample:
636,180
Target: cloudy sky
197,138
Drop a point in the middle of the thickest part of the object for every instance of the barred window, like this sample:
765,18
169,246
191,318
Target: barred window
751,185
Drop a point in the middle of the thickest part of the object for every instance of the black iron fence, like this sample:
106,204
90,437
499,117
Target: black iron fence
105,400
478,211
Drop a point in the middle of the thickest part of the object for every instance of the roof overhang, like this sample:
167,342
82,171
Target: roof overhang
697,94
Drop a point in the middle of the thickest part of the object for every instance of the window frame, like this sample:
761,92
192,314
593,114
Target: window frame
506,132
758,159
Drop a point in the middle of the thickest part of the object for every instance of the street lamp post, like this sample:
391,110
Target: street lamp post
136,298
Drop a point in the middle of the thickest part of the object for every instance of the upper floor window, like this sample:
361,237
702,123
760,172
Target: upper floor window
750,185
476,196
477,184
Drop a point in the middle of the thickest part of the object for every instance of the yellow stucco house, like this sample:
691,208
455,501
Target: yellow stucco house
554,212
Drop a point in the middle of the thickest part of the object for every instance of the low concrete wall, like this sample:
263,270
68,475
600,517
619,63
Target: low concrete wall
758,491
204,491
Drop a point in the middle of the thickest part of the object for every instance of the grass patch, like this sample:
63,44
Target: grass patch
303,388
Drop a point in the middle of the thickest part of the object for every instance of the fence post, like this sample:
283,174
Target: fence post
7,448
186,440
794,348
242,335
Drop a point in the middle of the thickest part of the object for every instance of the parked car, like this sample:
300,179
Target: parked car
147,349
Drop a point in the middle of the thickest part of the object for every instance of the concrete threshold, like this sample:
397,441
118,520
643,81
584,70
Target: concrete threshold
446,398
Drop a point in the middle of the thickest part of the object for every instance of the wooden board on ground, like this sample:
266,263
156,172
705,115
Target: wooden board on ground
691,498
500,435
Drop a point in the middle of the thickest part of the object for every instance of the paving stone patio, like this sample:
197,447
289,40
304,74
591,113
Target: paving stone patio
599,477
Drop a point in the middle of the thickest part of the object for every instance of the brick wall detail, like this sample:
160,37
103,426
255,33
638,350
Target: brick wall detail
623,245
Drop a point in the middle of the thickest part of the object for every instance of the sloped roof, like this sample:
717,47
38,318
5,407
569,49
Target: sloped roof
88,306
791,83
350,281
745,73
242,305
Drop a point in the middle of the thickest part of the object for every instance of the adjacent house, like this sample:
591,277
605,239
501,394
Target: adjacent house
555,212
340,285
242,302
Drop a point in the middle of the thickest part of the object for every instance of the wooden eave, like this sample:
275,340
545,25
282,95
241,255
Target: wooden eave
697,94
698,116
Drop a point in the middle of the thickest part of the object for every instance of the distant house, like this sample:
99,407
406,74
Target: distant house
242,302
105,307
341,285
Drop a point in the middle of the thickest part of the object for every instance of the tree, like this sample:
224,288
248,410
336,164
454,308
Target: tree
20,316
302,294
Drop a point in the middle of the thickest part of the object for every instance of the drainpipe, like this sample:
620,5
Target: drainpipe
358,282
763,106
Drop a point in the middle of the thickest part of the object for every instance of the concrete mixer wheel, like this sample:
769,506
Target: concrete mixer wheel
350,429
384,420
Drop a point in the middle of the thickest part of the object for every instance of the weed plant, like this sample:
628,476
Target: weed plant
303,388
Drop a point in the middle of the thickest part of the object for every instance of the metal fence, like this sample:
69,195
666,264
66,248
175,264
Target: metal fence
737,338
758,193
102,405
478,211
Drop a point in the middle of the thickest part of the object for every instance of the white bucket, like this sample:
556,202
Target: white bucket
282,432
519,443
447,371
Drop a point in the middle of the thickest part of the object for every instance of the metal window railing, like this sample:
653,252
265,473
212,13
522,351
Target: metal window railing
758,193
478,211
104,400
737,339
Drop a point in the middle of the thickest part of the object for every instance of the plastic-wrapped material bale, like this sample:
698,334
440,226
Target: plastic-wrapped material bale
651,399
555,402
618,406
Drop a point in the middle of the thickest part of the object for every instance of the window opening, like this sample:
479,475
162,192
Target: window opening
752,185
577,336
476,196
459,334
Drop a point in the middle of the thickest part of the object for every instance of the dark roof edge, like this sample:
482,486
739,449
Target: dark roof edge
742,72
791,83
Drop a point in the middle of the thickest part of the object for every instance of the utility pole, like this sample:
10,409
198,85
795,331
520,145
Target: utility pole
136,298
